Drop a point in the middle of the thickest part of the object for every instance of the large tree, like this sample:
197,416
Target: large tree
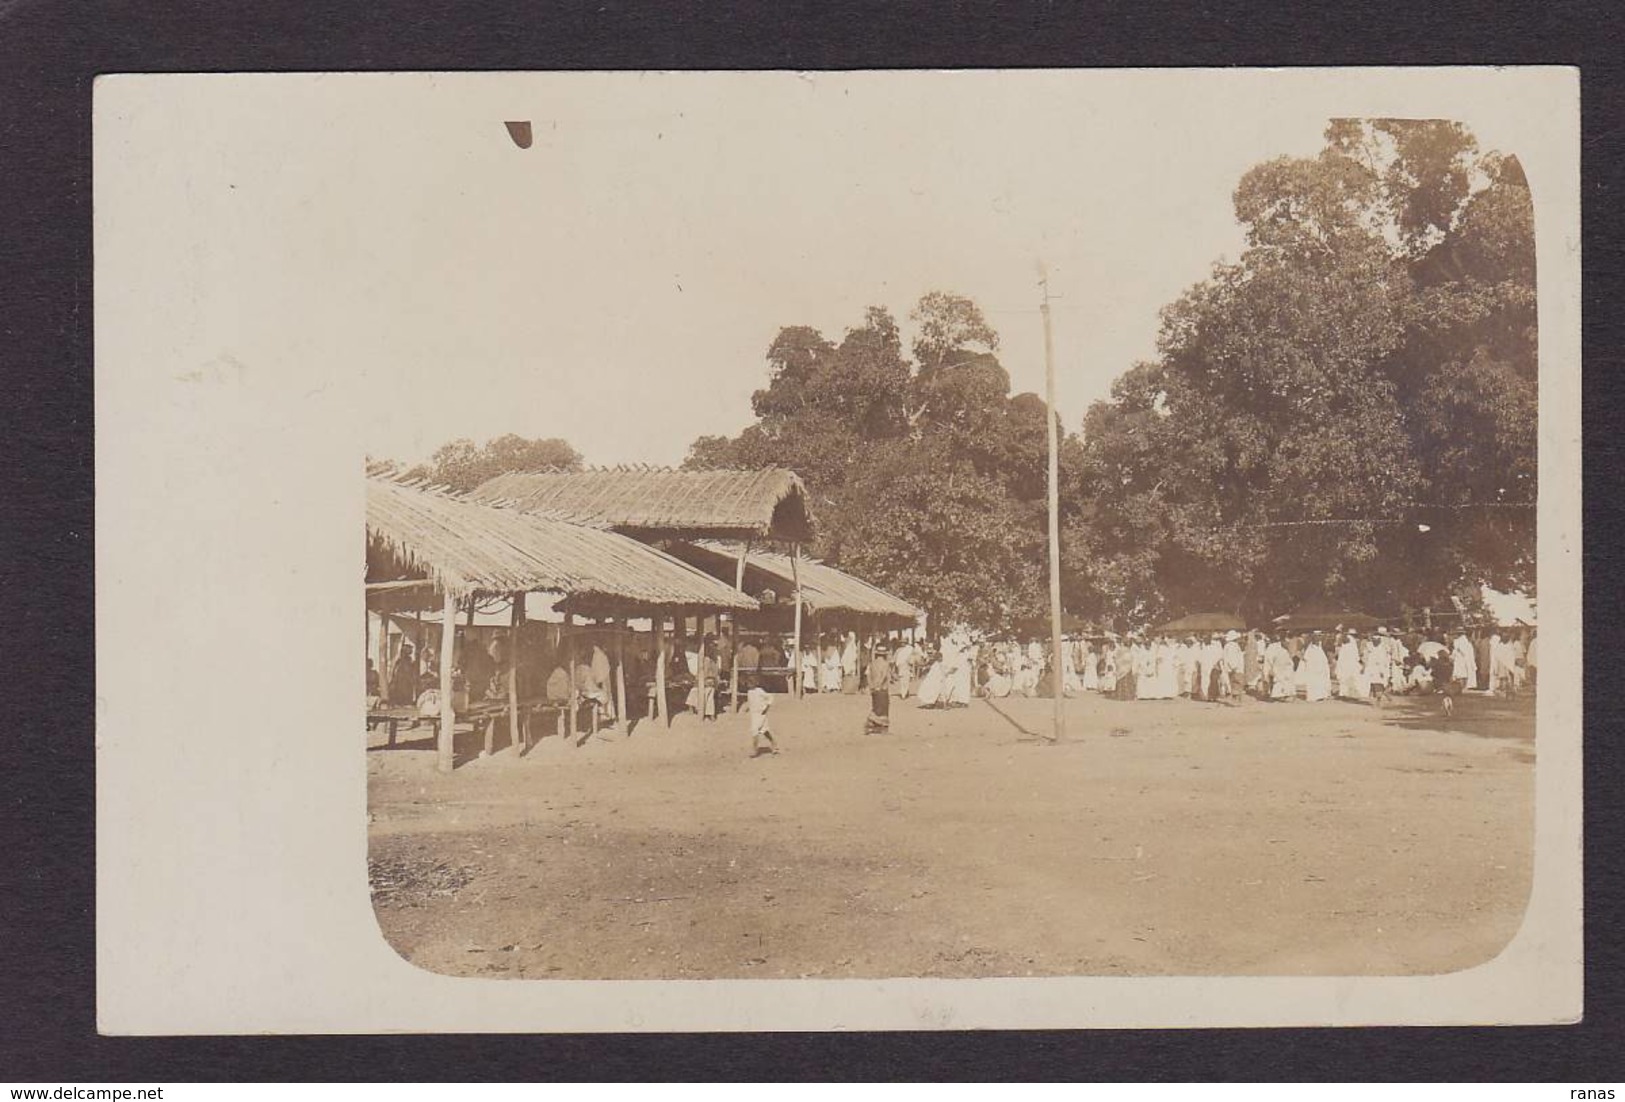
923,474
1347,411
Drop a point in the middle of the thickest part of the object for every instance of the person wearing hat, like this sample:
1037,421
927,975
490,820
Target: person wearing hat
1208,661
1234,664
1378,667
880,675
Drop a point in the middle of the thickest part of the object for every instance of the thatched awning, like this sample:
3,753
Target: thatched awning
467,549
824,589
661,503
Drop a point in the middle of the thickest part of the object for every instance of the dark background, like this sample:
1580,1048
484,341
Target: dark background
49,52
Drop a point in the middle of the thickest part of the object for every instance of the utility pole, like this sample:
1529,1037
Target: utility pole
1057,679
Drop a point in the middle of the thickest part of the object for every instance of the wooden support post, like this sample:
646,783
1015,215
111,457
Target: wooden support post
448,714
383,658
570,665
620,678
515,733
660,671
795,579
699,674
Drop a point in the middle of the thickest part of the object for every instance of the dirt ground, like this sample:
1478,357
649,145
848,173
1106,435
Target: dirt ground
1160,838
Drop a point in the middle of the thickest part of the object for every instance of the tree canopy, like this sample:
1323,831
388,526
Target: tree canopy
927,474
463,465
1345,413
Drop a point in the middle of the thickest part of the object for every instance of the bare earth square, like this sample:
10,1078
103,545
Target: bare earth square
1162,838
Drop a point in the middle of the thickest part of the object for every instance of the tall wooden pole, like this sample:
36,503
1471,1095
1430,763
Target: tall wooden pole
448,714
660,670
733,622
516,622
1054,522
795,579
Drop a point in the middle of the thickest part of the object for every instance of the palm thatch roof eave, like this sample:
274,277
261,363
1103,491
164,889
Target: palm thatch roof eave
467,550
824,588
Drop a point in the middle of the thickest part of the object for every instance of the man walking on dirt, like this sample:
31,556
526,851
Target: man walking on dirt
880,677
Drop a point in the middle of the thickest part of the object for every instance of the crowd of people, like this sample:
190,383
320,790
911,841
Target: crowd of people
1221,668
1225,667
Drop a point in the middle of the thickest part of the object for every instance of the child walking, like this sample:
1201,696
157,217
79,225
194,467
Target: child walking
761,726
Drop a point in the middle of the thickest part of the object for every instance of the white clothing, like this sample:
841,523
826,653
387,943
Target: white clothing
1315,673
1350,678
1464,664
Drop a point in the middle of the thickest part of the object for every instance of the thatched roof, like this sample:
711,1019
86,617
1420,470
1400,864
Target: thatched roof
823,588
1202,623
466,548
1325,618
662,503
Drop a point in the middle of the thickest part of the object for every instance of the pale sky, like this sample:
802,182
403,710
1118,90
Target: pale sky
618,283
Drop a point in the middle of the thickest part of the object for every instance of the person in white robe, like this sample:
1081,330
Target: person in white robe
1315,671
1378,667
1108,668
809,670
1502,666
930,692
1520,661
1349,673
1464,663
903,670
1278,671
829,673
959,673
1167,675
1071,683
1398,656
1145,669
1234,663
1091,668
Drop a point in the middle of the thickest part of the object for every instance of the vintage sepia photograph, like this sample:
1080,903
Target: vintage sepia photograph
870,656
867,533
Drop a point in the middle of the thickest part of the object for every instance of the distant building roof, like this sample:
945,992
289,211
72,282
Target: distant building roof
823,587
660,502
